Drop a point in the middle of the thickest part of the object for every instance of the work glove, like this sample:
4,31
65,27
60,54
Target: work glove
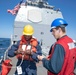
19,51
28,52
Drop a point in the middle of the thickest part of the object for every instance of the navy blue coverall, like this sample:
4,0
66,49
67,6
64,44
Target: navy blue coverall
55,63
28,67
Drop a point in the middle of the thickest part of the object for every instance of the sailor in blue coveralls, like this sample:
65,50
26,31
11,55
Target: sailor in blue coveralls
27,57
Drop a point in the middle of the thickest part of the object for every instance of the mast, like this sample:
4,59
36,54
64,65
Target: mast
39,3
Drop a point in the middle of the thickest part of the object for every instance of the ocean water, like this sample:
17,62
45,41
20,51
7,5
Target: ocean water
4,44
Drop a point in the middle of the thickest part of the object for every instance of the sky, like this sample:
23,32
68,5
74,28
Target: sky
67,7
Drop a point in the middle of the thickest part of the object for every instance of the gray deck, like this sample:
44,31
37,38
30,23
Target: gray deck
40,69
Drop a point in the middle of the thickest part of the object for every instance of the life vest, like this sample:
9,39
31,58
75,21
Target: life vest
69,61
6,67
33,43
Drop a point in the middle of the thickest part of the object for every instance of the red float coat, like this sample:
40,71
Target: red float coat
33,43
69,61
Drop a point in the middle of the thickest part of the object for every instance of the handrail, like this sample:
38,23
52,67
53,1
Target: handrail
6,52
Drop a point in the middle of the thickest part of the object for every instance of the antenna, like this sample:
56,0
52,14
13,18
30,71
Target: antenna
37,0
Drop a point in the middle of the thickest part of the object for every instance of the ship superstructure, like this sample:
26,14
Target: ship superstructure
40,15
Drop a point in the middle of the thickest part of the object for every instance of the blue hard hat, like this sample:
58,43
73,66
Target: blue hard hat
58,22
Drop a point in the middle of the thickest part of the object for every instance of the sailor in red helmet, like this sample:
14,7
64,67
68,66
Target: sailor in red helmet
26,51
61,59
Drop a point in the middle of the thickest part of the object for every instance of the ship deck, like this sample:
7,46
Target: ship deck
40,69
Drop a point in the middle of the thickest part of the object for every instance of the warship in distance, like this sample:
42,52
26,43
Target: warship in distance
40,15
